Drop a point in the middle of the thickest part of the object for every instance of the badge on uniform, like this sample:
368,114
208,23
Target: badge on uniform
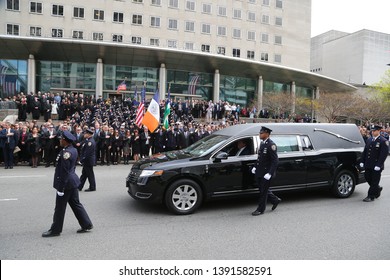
377,145
66,155
265,151
89,143
387,143
273,147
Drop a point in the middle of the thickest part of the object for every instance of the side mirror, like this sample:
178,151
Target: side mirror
220,156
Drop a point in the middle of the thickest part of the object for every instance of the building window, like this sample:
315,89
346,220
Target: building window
221,50
98,14
13,5
172,24
97,36
190,5
237,14
78,34
264,38
57,33
137,19
189,46
252,1
206,48
252,35
221,31
266,2
35,31
12,29
250,55
264,57
78,12
156,2
278,39
117,17
251,16
265,19
236,52
222,11
278,21
173,4
136,40
138,1
117,38
58,10
190,26
278,58
206,8
172,44
155,21
36,7
206,28
236,33
279,4
154,42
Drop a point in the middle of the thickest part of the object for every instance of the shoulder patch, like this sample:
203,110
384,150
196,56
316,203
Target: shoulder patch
66,155
89,143
273,147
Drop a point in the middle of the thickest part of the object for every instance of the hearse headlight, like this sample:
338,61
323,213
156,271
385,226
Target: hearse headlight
151,173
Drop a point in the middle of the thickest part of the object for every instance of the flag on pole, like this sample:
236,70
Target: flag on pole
167,110
192,85
121,86
140,111
152,115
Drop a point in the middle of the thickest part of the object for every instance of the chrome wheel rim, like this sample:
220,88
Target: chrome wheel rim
184,197
345,184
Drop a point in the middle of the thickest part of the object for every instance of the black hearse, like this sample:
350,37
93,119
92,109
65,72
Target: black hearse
310,156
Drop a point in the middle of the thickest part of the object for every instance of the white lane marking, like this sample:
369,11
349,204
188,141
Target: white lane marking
8,199
23,176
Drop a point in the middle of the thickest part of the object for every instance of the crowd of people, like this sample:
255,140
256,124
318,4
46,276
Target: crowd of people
118,139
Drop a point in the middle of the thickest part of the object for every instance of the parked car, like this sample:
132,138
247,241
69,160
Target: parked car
310,156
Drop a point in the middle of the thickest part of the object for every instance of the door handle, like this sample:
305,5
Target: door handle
299,160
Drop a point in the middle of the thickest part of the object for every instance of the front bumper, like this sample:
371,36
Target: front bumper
152,190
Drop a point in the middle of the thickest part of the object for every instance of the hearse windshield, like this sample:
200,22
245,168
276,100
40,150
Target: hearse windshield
206,145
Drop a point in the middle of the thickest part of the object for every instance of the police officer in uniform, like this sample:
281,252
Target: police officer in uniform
265,170
373,159
66,183
88,159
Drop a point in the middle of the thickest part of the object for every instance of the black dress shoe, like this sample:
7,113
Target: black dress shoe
83,230
50,233
368,199
257,213
276,204
379,192
6,167
90,190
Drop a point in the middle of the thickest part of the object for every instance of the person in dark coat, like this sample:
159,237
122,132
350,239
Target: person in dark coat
50,144
66,183
136,145
36,108
373,159
265,170
8,142
34,146
87,159
159,140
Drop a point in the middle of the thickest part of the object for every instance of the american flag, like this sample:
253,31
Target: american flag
121,86
192,85
141,108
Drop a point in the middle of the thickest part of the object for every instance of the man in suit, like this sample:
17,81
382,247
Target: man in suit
242,148
66,183
265,170
87,159
373,159
8,141
50,144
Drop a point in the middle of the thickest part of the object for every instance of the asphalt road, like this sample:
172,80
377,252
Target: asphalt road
305,226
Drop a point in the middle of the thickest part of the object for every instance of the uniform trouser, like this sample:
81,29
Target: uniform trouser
265,193
373,177
87,173
72,197
8,155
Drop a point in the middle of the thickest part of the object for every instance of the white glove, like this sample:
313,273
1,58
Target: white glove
267,176
254,170
377,168
361,164
60,193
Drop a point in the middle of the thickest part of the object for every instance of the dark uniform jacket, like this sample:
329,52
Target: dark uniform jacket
10,140
88,153
65,177
375,152
267,160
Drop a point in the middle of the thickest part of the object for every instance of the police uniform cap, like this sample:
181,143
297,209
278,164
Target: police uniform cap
376,127
89,131
265,129
69,137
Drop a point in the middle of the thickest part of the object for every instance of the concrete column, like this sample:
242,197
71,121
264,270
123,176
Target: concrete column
259,94
31,73
293,97
99,78
163,81
217,83
315,95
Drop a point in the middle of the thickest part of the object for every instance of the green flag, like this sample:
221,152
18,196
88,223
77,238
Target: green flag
167,110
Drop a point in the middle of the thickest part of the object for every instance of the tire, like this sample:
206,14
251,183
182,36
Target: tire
183,197
344,184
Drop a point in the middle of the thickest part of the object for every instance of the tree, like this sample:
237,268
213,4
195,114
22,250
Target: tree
332,106
278,103
382,88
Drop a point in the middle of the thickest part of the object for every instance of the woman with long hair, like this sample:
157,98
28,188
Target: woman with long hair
34,146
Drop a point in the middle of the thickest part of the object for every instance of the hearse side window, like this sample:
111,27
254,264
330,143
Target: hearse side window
286,143
306,143
233,150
